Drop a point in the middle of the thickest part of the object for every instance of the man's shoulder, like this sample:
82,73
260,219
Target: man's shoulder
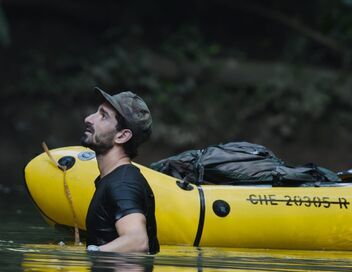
128,170
127,173
128,185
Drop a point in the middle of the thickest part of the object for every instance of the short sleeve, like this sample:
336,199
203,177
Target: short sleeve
126,197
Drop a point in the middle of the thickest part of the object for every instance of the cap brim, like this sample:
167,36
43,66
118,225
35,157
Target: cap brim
106,97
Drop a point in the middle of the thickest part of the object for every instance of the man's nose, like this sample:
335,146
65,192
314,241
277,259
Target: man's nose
89,119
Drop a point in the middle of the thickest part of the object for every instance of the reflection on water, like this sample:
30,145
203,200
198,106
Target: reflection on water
172,258
28,244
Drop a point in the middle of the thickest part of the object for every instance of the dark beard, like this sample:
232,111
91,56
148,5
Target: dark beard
101,145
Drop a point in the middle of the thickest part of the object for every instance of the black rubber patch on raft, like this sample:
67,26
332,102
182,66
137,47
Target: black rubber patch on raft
67,161
184,185
221,208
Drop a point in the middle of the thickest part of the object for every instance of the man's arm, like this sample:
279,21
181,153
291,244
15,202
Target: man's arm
132,233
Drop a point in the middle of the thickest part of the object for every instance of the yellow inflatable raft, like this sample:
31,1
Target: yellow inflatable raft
208,215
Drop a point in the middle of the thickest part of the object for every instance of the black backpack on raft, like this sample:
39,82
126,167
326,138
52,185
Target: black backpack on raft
241,163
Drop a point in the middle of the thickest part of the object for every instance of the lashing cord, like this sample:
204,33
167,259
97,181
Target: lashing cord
67,192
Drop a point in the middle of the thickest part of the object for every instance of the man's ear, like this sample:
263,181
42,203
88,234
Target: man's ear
123,136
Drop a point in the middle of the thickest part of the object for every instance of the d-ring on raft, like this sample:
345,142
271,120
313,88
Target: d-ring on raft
208,215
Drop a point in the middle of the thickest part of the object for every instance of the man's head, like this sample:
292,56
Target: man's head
122,119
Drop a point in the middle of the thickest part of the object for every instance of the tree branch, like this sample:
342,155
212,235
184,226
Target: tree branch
296,25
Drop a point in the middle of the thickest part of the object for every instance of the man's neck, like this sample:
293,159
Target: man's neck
111,160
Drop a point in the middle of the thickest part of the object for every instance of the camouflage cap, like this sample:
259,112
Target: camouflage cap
134,110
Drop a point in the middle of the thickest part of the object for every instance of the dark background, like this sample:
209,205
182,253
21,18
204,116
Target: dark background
273,72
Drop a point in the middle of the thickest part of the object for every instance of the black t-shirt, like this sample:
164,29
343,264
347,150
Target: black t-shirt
121,192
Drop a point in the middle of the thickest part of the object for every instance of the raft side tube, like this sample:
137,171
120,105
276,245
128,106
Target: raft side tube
280,218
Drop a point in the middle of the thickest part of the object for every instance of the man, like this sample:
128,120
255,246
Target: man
121,216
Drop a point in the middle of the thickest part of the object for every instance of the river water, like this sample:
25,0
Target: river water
27,243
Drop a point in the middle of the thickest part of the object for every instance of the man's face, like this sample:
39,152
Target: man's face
100,129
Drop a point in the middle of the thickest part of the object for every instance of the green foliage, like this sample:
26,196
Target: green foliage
188,44
175,73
